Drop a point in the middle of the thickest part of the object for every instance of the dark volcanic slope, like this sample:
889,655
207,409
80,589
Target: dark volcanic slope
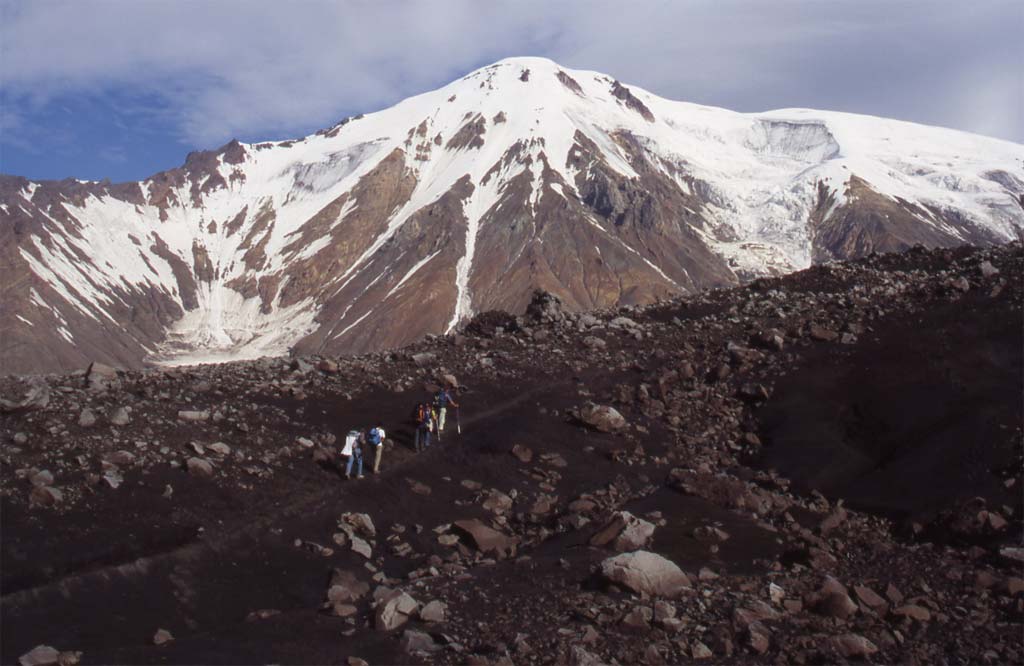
912,418
833,458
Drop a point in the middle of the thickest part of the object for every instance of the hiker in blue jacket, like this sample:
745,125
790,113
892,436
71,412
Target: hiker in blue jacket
375,438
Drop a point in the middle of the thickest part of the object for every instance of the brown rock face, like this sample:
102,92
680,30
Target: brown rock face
871,222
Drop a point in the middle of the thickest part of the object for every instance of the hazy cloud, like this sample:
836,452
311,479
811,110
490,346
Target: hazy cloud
234,68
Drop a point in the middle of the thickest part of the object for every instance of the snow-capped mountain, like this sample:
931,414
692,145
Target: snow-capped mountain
520,175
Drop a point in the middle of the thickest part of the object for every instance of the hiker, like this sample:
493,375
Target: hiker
424,426
442,399
375,438
354,450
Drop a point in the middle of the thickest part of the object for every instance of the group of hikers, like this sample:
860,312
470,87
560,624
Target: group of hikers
429,417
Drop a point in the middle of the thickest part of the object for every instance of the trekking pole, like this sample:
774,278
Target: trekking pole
458,423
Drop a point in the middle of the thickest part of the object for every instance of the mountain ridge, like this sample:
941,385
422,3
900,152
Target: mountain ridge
519,175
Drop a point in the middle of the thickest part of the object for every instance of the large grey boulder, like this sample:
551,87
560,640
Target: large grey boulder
646,573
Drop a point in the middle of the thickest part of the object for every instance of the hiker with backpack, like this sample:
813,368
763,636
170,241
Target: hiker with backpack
442,399
424,426
354,450
375,438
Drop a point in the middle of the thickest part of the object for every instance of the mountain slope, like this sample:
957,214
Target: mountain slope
520,175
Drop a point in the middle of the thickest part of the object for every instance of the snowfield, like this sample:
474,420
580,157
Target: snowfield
760,176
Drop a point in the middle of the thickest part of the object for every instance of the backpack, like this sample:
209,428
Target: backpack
373,437
351,441
422,414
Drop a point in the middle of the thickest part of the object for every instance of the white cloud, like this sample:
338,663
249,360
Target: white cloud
270,68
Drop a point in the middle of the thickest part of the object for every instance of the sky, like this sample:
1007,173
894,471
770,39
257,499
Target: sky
122,89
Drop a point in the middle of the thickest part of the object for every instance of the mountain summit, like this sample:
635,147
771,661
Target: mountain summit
520,175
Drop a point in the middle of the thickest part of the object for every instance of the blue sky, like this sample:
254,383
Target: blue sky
121,89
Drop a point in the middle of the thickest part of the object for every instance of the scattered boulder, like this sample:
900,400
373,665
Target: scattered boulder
700,651
100,377
40,477
435,611
871,599
853,646
913,612
44,655
41,655
34,394
423,359
327,366
87,418
162,636
361,547
199,466
822,334
393,610
601,417
625,532
360,522
345,588
545,307
120,417
832,600
261,614
486,539
193,415
646,573
987,269
580,657
220,448
639,618
523,454
418,641
497,502
113,479
833,520
120,457
45,496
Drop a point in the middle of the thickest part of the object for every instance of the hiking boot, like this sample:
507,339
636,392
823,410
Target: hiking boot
360,476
